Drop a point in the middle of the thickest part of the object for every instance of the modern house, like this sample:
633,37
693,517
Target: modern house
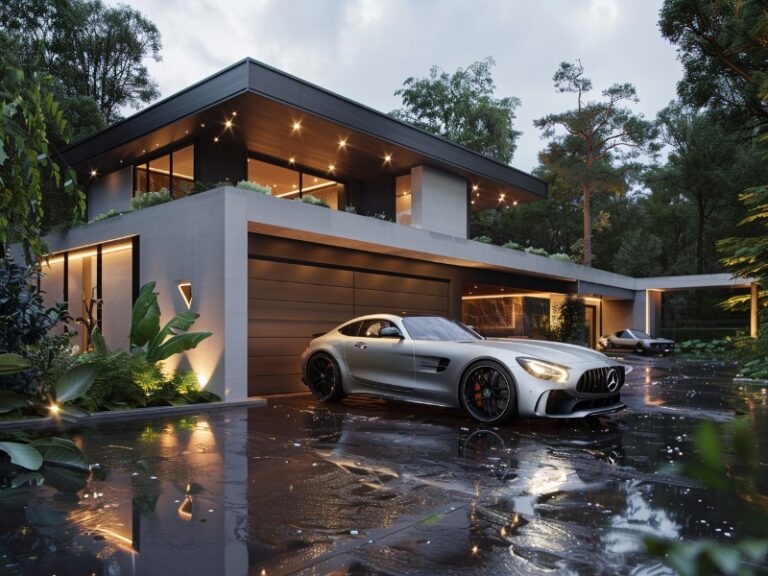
265,272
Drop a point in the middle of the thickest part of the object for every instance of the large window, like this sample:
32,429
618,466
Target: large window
290,183
174,171
97,285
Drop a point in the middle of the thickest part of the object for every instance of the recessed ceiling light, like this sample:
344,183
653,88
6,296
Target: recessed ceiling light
215,138
296,125
202,124
388,158
228,124
342,143
514,202
234,113
93,173
291,160
474,187
331,167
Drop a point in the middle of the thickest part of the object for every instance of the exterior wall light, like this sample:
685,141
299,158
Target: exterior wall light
186,292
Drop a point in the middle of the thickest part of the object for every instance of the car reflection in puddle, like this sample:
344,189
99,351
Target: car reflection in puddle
371,487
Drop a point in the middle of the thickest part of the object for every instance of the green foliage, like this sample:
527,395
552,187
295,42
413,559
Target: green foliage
483,239
111,213
708,166
595,146
94,50
29,115
314,200
639,254
462,108
747,256
254,187
114,386
733,467
568,323
560,256
24,319
148,199
511,245
149,339
12,363
536,251
724,50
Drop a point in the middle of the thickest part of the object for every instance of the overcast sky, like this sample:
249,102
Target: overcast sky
364,49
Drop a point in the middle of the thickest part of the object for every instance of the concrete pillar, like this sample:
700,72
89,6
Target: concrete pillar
438,201
753,309
653,312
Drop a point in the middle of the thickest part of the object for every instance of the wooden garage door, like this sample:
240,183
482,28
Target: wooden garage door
288,302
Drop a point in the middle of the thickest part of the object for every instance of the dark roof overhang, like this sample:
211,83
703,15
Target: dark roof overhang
254,85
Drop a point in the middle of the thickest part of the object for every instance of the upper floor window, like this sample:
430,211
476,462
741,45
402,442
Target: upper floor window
290,183
174,171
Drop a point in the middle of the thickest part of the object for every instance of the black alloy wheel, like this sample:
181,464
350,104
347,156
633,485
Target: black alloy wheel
488,393
324,378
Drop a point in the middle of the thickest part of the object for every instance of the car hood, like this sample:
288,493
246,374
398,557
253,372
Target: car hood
557,352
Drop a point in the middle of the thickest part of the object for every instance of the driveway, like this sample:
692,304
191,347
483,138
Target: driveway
372,487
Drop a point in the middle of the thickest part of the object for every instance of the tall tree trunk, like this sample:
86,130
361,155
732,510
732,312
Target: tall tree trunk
587,225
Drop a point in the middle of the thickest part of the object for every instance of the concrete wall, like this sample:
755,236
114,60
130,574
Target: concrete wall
112,191
438,202
201,239
617,315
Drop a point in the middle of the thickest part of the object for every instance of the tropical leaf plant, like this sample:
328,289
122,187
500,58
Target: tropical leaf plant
153,342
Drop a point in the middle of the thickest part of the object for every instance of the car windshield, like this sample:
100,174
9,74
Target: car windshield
640,334
438,328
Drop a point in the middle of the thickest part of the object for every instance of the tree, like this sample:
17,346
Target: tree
723,46
94,50
27,109
708,166
597,142
462,108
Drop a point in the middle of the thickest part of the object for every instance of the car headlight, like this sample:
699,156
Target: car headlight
544,370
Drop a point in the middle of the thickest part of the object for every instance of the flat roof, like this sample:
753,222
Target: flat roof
255,79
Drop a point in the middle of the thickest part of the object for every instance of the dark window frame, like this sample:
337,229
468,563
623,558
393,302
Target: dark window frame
300,169
142,163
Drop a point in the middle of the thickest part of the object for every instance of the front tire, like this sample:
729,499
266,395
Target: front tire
324,378
639,348
488,393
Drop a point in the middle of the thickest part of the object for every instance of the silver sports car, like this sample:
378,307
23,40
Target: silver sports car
434,360
637,340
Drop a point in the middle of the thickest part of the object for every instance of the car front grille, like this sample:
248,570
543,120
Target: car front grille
595,381
560,403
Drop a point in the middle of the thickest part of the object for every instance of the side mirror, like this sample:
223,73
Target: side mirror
391,332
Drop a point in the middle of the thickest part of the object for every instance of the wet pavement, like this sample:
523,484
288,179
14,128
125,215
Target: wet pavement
371,487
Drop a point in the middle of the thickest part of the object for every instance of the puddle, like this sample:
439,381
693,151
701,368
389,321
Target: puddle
370,487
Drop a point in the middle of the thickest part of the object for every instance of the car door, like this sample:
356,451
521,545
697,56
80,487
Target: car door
624,339
382,363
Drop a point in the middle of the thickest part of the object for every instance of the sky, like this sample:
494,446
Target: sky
365,49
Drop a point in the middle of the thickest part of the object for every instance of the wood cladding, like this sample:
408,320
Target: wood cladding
288,302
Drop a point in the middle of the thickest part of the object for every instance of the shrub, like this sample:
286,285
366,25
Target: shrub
536,251
114,386
351,209
512,245
309,199
148,199
24,319
185,382
483,239
254,187
104,215
569,324
560,256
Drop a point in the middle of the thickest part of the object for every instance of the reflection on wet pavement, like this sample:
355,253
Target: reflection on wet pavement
373,487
